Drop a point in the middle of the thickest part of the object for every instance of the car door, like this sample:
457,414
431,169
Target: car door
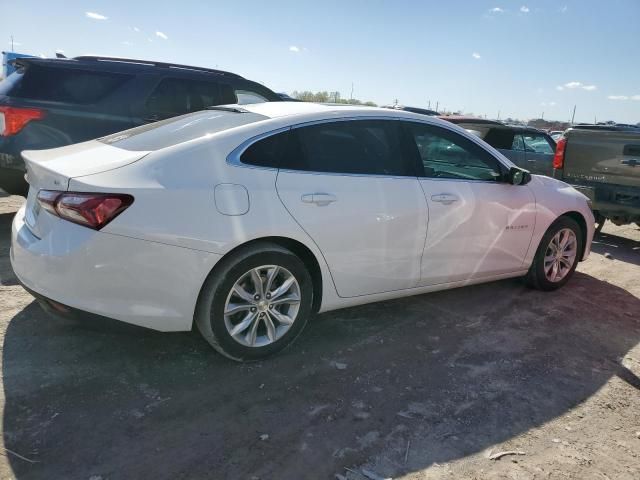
479,225
539,152
351,187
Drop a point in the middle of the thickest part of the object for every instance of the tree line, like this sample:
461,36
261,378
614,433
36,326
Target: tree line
328,97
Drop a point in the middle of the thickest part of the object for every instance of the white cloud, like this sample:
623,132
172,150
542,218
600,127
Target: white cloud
293,48
162,36
548,104
589,88
618,97
476,55
127,43
95,16
559,88
573,85
524,9
136,29
59,51
496,10
635,97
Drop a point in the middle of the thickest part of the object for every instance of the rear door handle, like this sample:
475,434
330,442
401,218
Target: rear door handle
445,198
320,199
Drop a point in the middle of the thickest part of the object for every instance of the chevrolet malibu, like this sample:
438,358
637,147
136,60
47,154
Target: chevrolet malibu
247,220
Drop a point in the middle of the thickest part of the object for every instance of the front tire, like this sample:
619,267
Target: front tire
557,256
255,303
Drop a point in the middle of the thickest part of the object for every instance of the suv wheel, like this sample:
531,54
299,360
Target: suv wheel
256,303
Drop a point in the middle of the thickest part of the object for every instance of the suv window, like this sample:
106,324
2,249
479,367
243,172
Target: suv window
176,96
368,147
537,143
501,138
70,85
245,97
446,154
518,143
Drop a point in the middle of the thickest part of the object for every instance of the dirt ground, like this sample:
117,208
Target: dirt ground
426,387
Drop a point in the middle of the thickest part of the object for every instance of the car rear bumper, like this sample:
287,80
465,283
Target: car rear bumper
143,283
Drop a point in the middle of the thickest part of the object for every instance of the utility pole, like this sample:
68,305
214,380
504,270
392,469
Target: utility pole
437,103
395,102
573,116
542,116
12,43
429,106
351,97
498,115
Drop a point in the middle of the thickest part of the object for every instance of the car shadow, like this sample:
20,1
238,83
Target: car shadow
620,248
453,372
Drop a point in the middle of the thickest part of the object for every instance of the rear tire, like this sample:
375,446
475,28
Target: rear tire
262,316
557,256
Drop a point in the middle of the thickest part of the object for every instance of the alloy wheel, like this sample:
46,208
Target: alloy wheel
560,255
262,306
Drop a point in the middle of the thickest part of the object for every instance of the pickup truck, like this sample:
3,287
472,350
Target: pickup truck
603,162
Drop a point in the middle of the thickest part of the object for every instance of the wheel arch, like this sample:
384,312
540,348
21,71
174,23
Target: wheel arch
298,248
582,223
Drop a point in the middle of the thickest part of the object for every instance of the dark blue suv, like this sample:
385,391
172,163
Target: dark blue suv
50,102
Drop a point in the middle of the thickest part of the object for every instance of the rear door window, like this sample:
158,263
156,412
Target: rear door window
68,85
177,96
518,143
365,147
500,138
537,143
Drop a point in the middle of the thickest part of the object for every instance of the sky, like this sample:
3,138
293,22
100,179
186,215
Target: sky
516,58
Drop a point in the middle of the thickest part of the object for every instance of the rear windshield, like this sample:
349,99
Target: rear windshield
172,131
56,84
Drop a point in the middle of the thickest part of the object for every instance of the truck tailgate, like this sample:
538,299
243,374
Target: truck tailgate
611,157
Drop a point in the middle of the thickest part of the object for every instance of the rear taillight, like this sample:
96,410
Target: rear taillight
13,119
558,158
93,210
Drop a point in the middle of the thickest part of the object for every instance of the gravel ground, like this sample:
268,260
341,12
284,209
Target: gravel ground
426,387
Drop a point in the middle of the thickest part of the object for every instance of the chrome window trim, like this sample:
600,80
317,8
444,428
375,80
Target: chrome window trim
233,158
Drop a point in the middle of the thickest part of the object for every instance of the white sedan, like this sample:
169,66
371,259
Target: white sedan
248,219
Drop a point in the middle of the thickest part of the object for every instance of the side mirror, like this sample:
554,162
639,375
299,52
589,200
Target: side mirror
518,176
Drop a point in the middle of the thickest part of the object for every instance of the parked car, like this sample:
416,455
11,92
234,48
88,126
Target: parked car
421,111
54,102
556,134
603,162
246,220
527,147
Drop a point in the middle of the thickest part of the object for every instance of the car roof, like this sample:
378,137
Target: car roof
121,63
312,111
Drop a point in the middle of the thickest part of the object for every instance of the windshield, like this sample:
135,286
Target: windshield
172,131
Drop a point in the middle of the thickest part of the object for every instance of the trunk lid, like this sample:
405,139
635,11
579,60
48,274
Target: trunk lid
52,169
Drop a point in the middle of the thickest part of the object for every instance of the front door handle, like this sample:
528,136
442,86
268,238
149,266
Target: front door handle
320,199
445,198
